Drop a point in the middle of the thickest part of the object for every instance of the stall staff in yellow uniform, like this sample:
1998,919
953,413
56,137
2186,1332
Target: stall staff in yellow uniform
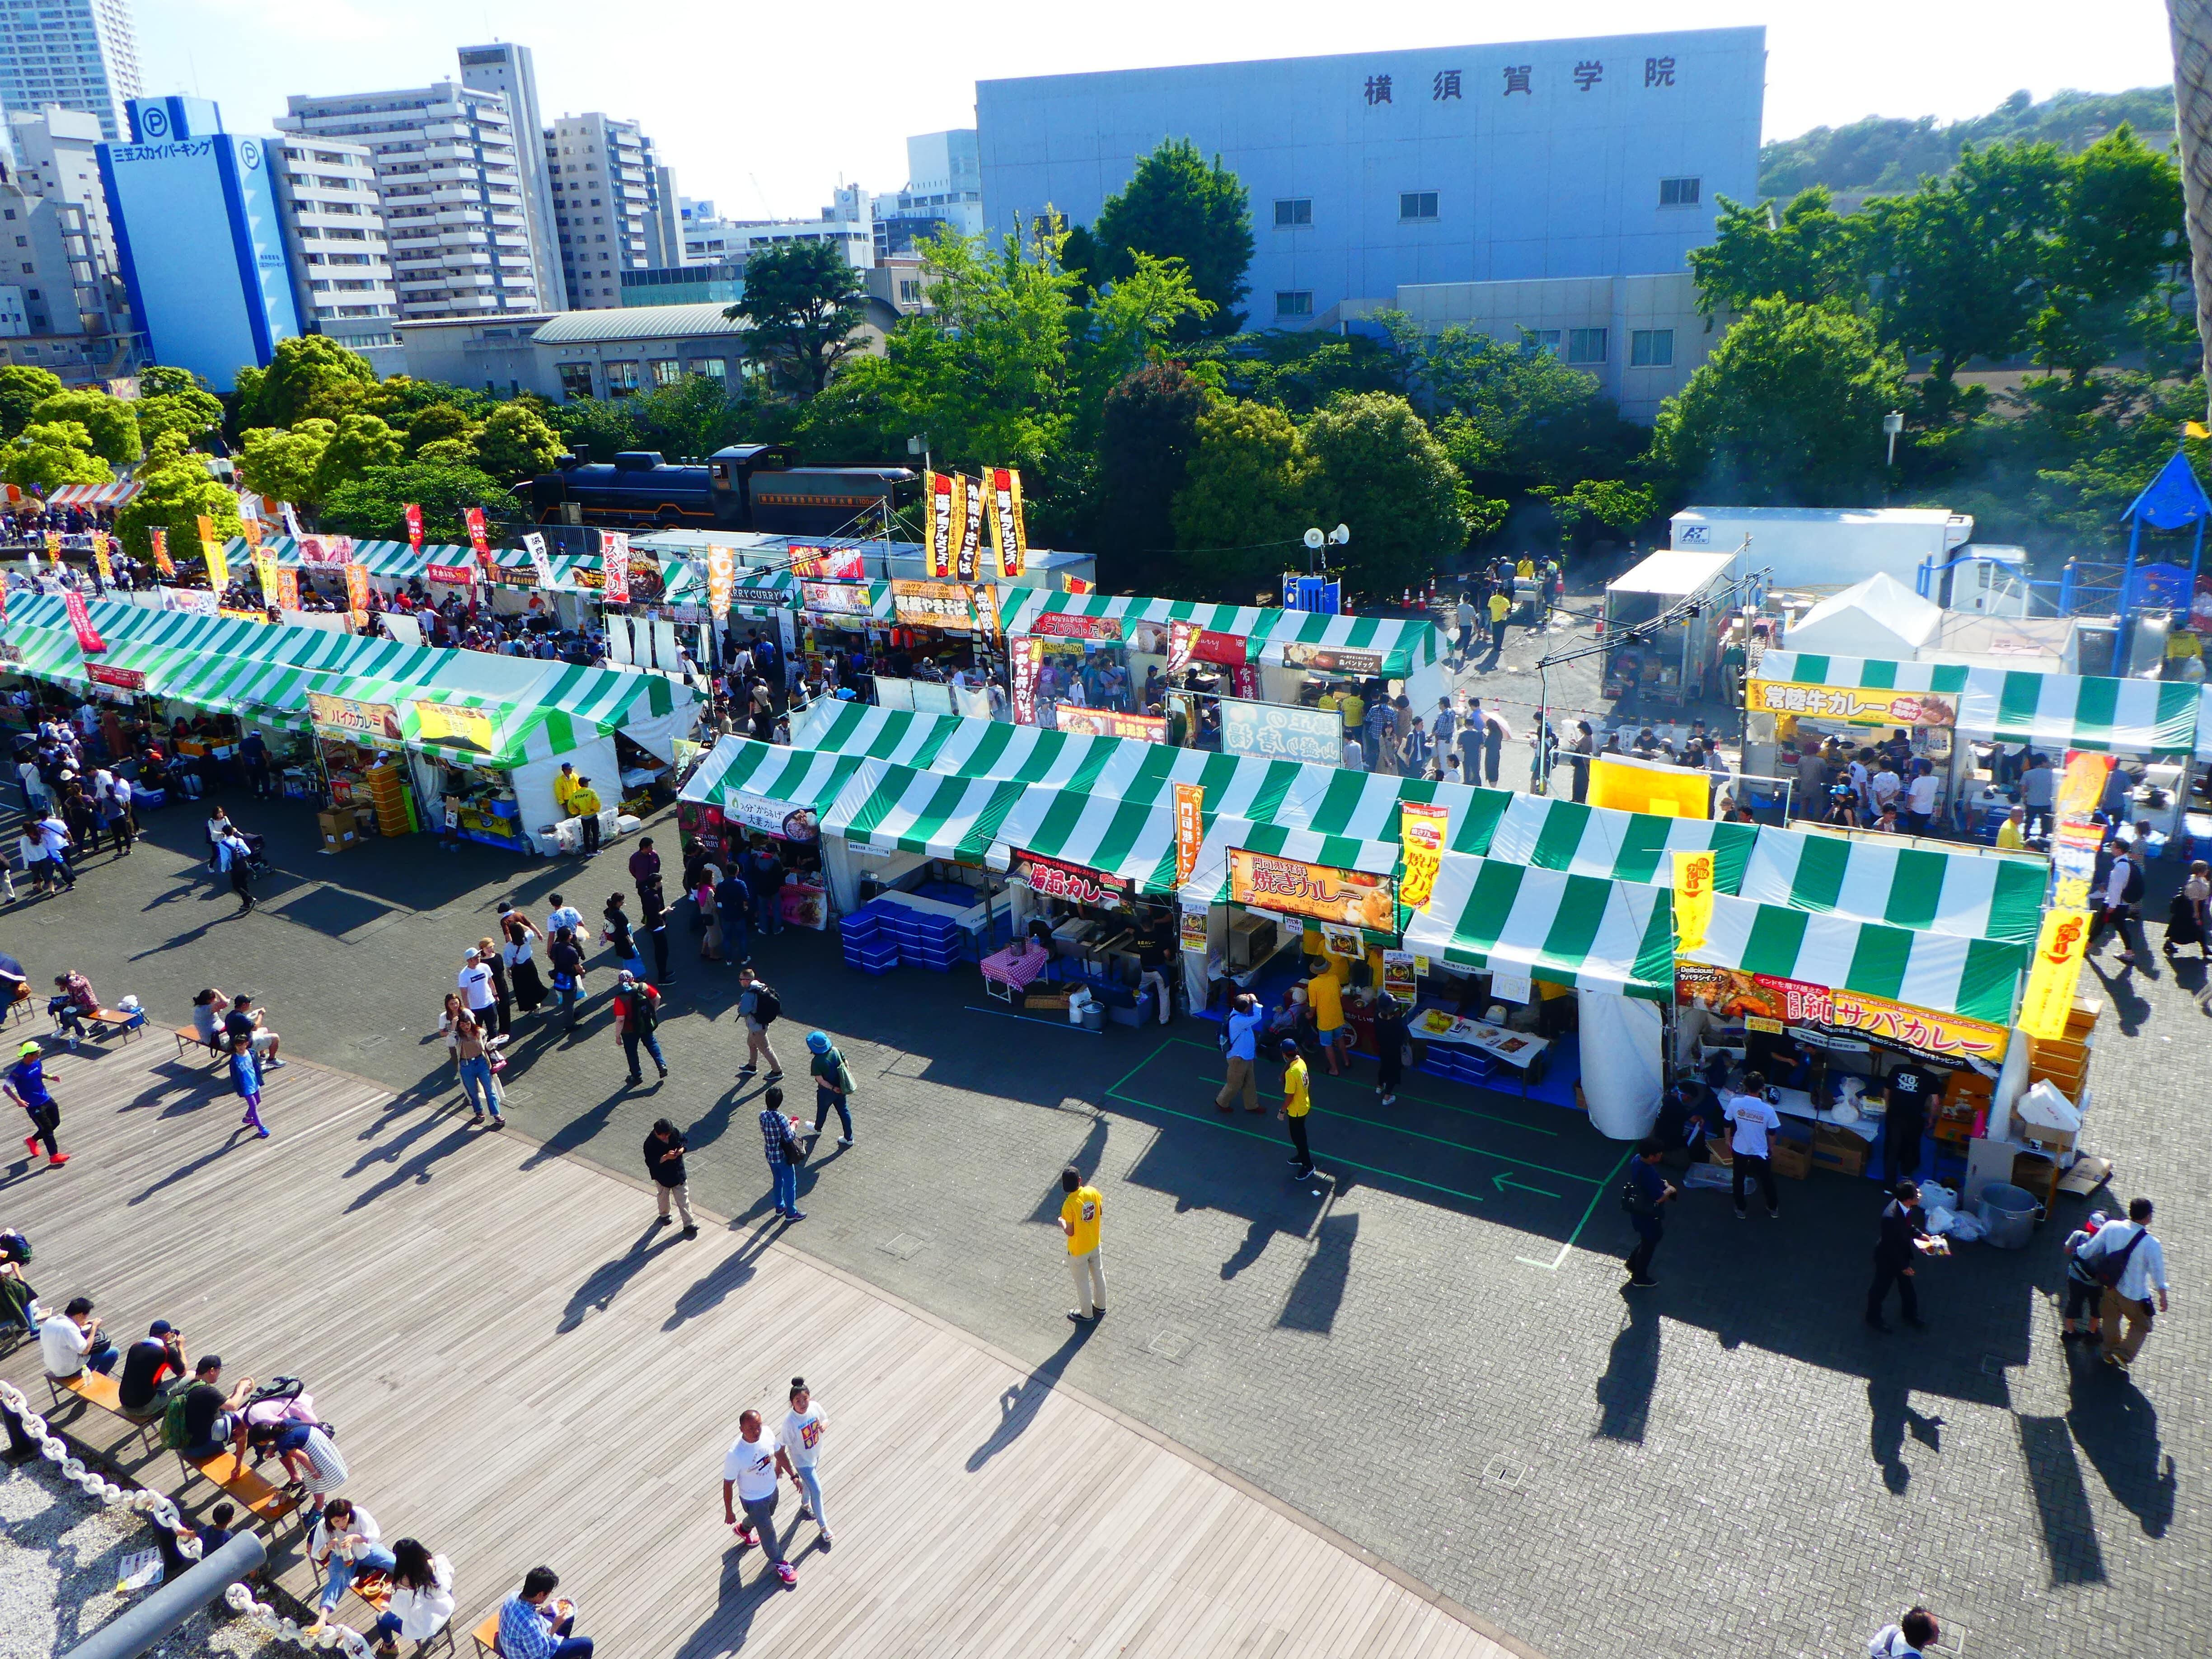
584,803
1078,1220
1298,1101
564,787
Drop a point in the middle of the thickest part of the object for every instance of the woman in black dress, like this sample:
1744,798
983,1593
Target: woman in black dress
521,962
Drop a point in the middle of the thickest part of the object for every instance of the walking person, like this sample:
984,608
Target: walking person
472,1049
759,1007
1754,1118
619,938
522,961
653,920
1643,1194
780,1138
801,1438
1392,1042
493,961
565,963
475,985
25,1084
833,1086
1080,1214
1902,1240
1241,1043
54,836
637,1016
1500,609
2130,1265
1297,1102
664,1162
2083,1311
237,860
245,1078
1910,1637
750,1471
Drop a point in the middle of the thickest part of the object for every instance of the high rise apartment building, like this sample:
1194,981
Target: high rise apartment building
507,68
449,176
943,188
603,197
340,255
56,156
80,54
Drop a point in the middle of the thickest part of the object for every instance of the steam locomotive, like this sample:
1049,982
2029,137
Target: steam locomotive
743,487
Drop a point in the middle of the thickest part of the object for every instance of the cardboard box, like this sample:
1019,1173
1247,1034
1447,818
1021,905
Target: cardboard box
1791,1158
341,829
1839,1150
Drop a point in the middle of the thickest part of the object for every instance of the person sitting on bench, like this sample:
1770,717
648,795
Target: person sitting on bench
533,1627
208,1411
346,1543
244,1020
159,1353
71,1345
422,1598
213,1535
73,1001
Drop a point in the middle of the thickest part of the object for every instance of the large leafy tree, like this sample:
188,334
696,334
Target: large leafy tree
2119,229
359,443
311,377
1148,433
1805,252
1515,418
175,492
190,412
1378,469
47,455
1177,206
805,306
375,503
515,442
1247,498
284,464
1788,410
22,389
112,422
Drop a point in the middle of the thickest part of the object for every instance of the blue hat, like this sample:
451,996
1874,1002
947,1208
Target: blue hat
816,1042
1290,1045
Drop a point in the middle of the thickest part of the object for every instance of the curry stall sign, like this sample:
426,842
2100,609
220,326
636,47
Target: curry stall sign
1070,882
1067,625
1852,705
1767,1004
1354,898
376,723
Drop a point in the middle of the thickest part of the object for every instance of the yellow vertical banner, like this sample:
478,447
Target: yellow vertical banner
2058,953
100,559
1190,828
1422,830
54,547
251,527
264,567
1694,875
218,567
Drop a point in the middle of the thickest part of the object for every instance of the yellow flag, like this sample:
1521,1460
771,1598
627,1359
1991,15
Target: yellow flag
2196,429
218,567
1694,874
2050,981
1422,832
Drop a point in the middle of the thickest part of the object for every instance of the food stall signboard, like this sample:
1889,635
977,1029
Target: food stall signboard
1189,827
774,599
772,818
374,723
1765,1003
1189,643
1359,898
1852,705
456,575
1055,879
1330,660
1398,978
1067,625
836,564
1079,721
130,679
1422,830
1276,730
836,599
933,604
455,723
1194,930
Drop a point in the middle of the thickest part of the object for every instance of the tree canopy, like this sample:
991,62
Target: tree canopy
805,305
1177,206
312,376
45,455
22,389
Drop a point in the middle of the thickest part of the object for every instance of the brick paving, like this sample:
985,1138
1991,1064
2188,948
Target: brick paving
1434,1361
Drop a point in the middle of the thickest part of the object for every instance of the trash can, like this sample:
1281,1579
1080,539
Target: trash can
2009,1213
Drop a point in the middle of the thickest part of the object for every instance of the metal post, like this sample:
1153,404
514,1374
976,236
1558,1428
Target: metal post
131,1632
2196,562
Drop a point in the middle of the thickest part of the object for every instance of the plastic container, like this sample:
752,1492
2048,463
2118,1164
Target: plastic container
2009,1213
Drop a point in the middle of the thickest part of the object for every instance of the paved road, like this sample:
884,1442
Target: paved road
1427,1350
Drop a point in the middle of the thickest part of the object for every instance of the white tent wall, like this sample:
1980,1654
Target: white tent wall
657,734
594,758
1620,1039
1879,618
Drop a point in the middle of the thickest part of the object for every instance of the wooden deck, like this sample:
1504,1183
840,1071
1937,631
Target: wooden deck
521,1372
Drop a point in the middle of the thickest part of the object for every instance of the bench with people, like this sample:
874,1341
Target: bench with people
77,1012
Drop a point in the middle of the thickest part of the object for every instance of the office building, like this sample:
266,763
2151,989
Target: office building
664,226
50,295
603,197
506,68
80,54
943,187
339,249
450,182
1377,171
57,156
685,285
200,237
731,241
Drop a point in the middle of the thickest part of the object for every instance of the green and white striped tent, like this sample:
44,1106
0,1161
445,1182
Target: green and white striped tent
1978,978
398,562
1406,645
1874,879
1548,834
897,809
1594,933
1246,621
2054,711
739,768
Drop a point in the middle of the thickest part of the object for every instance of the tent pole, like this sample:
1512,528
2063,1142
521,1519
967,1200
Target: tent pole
2120,600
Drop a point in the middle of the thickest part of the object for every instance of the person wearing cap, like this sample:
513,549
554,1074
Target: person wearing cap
142,1392
477,990
1298,1101
25,1084
637,1013
833,1086
584,803
2012,834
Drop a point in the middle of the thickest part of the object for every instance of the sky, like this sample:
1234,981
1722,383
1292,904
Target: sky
763,110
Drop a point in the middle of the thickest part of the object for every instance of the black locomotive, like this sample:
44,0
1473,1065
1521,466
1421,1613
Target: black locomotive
743,487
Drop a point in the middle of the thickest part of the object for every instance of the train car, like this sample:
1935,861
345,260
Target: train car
743,487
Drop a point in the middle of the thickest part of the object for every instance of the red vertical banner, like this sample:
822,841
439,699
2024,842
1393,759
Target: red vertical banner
88,637
163,562
1009,541
414,527
1244,678
477,539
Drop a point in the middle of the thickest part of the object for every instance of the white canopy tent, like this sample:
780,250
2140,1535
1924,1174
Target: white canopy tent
1879,616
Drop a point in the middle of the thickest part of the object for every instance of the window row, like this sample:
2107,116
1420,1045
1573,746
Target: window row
1415,206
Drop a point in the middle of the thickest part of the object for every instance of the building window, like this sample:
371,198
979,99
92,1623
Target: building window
622,379
1293,210
1417,205
714,368
1294,302
1545,340
1678,193
1650,347
575,380
1585,345
666,371
910,290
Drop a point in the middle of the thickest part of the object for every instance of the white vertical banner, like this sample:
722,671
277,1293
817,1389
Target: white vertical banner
618,640
666,653
534,544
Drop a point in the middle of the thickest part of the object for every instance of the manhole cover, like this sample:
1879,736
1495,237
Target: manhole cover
1170,1345
901,1245
1505,1471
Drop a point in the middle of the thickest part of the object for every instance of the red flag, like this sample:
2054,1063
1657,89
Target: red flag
88,637
477,537
415,526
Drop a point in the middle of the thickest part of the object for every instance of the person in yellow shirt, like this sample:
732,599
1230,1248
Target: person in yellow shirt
1526,570
2012,835
1500,609
1078,1219
565,786
1325,993
584,803
1355,711
1298,1101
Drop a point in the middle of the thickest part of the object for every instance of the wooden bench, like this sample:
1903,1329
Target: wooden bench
261,1500
188,1038
98,1389
106,1022
486,1637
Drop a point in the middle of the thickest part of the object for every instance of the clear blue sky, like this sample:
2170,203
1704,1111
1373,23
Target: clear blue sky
765,106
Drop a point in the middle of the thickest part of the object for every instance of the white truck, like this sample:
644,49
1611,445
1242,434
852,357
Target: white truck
1825,547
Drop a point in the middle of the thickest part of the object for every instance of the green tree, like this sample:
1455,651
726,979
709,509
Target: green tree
429,423
22,389
1805,253
1120,331
174,492
1178,206
188,412
805,306
1514,417
1597,504
166,380
1302,372
514,442
1380,470
284,464
398,398
1787,410
47,455
1148,433
311,377
112,424
376,503
1247,498
359,443
2119,229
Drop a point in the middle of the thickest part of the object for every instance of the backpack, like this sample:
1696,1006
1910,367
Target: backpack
1633,1201
2133,891
173,1421
2108,1267
768,1008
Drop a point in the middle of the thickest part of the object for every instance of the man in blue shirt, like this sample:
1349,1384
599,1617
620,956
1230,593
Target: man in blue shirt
1644,1194
532,1626
26,1084
1246,1016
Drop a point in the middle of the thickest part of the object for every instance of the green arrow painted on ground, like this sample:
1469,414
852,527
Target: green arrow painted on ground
1503,1180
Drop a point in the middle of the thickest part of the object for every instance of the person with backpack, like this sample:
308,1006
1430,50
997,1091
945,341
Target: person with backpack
833,1086
760,1008
2130,1264
1642,1193
637,1015
2083,1311
1910,1637
197,1420
779,1136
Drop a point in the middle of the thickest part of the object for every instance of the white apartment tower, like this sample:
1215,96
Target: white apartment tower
451,186
604,195
335,234
56,156
80,54
506,68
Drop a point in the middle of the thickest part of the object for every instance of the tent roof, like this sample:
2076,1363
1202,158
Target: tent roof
1876,879
1404,643
1880,614
1672,572
1585,931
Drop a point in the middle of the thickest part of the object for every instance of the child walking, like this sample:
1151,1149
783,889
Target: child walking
246,1074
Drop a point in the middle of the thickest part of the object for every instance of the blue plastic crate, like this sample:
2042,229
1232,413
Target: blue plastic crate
860,930
938,964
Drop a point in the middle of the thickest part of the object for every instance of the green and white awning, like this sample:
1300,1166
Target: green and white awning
1978,978
1872,878
1403,644
895,808
1590,932
1548,834
796,777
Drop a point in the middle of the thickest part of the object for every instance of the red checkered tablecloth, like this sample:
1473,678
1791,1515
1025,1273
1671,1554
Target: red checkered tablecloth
1016,970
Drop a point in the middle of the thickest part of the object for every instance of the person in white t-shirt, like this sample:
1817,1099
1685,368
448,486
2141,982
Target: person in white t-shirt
750,1469
801,1435
1920,798
1884,787
1861,776
1752,1118
475,988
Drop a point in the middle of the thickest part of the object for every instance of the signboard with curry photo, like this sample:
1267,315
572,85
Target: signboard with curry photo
1765,1003
1358,898
1852,705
